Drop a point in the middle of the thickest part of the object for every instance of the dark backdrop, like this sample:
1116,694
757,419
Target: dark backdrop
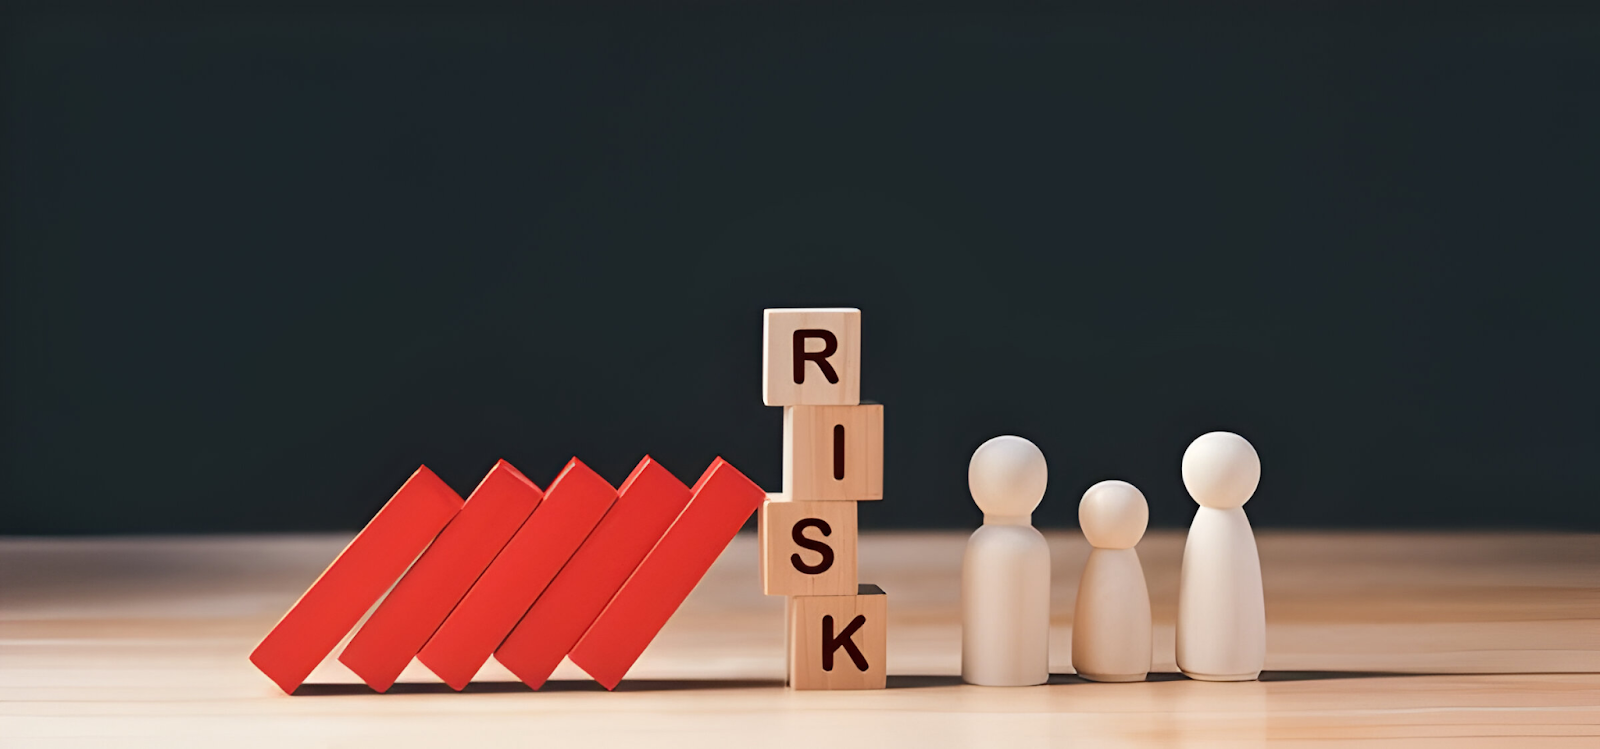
262,260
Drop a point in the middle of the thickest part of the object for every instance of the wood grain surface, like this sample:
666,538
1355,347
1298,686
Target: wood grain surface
1416,639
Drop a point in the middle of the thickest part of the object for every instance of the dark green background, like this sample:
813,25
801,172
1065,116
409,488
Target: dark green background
261,260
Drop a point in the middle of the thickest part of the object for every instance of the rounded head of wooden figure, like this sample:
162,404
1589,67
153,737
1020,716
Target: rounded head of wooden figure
1221,470
1113,515
1007,477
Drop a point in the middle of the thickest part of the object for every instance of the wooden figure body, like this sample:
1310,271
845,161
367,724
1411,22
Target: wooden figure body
1111,620
1222,622
1005,574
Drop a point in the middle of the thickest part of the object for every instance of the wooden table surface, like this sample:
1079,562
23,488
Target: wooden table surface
1446,639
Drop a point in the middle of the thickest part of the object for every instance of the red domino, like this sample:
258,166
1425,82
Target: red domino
723,499
423,598
646,505
576,500
359,576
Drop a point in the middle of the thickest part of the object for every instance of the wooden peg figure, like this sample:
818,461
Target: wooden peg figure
1005,575
1222,620
1111,621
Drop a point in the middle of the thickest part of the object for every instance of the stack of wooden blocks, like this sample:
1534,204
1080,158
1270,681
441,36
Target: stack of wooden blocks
832,459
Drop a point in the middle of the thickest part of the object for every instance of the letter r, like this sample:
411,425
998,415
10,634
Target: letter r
830,346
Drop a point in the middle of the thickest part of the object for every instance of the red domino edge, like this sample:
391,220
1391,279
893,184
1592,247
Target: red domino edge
402,623
722,500
356,579
574,503
647,503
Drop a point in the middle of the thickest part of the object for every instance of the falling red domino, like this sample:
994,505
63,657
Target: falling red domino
647,503
575,501
423,598
722,500
361,573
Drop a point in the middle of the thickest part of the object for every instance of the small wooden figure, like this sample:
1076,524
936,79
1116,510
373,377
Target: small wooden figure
807,548
1111,621
1222,620
812,357
839,642
1005,575
833,452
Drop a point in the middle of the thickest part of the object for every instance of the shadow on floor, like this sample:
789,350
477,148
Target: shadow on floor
503,687
1332,675
894,682
924,682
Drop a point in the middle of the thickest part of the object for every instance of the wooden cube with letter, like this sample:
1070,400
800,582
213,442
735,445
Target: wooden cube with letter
839,642
811,357
832,459
833,452
807,548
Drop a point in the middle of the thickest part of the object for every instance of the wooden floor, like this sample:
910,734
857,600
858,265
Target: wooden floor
1415,639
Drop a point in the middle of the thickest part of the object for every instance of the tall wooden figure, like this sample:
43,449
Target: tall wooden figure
1005,574
832,459
1222,619
1111,621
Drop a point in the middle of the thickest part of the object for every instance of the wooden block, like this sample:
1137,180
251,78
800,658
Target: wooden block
358,577
812,357
422,599
647,503
833,452
722,500
839,642
807,548
575,502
